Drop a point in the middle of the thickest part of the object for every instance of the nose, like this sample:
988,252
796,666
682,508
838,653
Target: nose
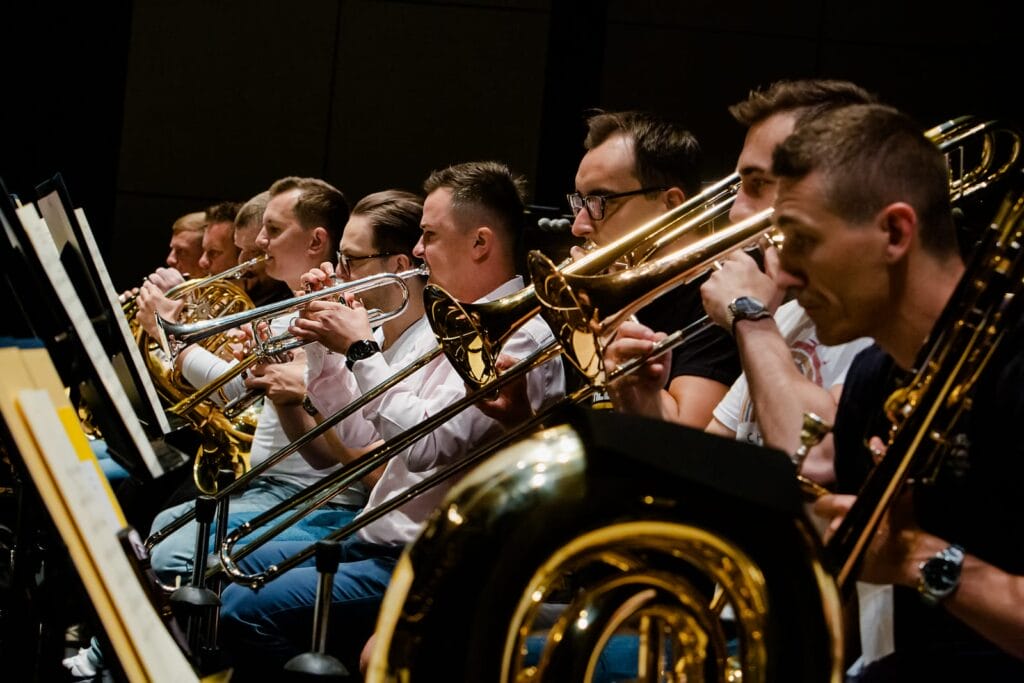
417,251
582,225
171,260
741,208
788,275
204,262
262,240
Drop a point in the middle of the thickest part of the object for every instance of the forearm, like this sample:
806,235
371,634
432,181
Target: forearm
691,400
779,391
987,599
296,422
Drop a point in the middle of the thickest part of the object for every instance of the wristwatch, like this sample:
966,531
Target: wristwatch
308,406
359,350
746,308
940,575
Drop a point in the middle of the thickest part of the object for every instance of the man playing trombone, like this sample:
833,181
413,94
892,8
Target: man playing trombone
471,220
863,180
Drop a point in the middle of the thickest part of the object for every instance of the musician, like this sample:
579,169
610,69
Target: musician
301,228
261,288
864,181
786,370
379,238
219,250
637,167
471,221
187,244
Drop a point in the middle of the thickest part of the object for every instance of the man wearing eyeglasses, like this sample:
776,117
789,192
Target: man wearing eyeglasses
471,220
636,168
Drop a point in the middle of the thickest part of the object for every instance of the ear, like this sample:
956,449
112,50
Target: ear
404,262
319,239
674,196
483,242
899,223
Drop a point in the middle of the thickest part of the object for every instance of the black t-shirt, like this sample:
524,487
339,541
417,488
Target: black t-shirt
974,501
711,354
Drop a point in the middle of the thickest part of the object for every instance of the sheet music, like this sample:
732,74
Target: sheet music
56,219
46,250
122,323
97,523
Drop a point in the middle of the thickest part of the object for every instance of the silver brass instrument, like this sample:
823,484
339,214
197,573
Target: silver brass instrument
195,332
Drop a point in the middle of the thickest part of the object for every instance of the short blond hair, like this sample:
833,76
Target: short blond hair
190,222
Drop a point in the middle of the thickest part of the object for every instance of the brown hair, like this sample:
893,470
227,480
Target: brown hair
870,156
487,185
222,212
395,217
665,153
320,204
809,98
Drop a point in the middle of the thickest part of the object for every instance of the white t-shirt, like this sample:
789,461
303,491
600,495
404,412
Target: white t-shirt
826,366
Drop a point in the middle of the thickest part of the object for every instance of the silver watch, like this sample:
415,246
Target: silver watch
940,575
746,308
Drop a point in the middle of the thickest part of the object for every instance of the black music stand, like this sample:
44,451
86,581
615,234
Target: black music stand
53,308
81,258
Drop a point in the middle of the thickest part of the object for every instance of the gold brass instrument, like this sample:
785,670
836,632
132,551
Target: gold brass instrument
927,412
462,602
688,259
581,310
225,440
473,334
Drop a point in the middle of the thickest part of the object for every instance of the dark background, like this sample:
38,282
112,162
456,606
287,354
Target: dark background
154,108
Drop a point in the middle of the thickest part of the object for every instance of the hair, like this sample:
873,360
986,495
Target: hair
252,211
394,216
190,222
222,212
807,98
870,156
665,153
319,204
485,185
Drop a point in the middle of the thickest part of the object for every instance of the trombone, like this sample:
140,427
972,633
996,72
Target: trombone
461,329
686,264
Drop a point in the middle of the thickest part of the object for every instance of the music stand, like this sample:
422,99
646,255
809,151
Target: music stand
84,264
54,310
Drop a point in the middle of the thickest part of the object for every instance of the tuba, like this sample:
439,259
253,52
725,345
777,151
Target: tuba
580,540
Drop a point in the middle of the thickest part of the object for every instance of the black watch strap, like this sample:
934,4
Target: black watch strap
308,406
359,350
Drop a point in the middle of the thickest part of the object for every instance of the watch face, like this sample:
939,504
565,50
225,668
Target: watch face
940,574
746,307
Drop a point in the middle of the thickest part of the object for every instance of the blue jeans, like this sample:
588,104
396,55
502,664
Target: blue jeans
174,555
263,629
115,473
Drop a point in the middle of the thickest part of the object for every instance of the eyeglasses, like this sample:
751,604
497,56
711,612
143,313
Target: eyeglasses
595,203
346,261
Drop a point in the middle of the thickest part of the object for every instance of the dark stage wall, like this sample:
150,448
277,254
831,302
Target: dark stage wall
155,108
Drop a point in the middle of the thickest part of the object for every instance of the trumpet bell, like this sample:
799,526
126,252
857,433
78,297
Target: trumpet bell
584,535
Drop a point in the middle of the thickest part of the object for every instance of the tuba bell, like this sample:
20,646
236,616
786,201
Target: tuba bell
581,536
